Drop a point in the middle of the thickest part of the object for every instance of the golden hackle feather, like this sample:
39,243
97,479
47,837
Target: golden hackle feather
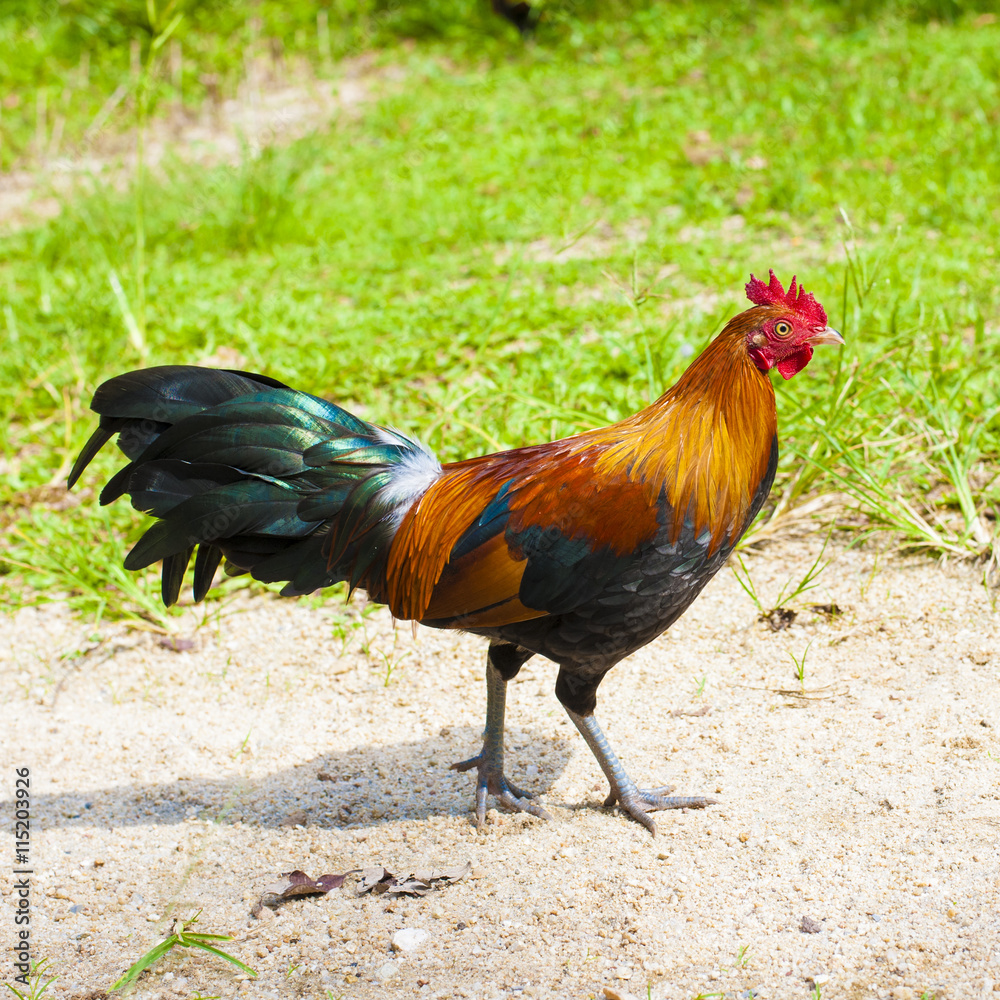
707,440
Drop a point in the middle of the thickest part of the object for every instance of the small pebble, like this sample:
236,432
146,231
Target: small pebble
409,938
612,993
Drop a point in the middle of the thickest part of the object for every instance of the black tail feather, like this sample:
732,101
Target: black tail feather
141,404
172,392
205,564
174,568
251,507
97,441
305,565
158,487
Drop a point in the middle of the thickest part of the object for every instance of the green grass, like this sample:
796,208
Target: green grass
509,243
39,981
182,937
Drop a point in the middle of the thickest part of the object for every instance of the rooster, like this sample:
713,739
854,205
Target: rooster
582,550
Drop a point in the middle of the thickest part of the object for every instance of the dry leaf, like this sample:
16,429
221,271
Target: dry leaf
417,883
377,880
613,993
297,883
824,693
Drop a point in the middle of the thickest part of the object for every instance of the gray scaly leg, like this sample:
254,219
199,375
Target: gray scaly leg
637,802
489,761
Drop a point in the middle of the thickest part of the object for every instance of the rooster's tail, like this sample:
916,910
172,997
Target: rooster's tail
240,467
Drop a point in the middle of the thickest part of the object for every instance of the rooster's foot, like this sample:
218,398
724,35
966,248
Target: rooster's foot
637,802
489,760
640,802
492,781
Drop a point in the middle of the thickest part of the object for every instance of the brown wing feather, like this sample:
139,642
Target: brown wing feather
557,487
428,534
481,588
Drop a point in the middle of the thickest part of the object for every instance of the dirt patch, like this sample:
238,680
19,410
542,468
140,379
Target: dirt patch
270,108
856,844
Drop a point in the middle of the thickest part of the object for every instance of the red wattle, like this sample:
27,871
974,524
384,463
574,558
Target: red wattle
794,363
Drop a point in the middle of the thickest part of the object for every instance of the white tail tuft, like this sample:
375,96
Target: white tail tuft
411,477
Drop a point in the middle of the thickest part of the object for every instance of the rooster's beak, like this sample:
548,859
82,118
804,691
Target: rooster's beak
826,336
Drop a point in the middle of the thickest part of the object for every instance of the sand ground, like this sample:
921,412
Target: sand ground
855,846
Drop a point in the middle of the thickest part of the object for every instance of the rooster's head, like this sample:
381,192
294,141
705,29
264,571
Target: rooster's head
789,325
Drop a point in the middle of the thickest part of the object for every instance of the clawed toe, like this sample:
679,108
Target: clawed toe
659,790
518,793
640,803
646,793
492,781
636,802
520,803
466,765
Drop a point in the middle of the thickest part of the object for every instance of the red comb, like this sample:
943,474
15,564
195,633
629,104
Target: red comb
795,298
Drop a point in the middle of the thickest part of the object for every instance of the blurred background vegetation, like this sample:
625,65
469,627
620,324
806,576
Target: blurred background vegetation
488,240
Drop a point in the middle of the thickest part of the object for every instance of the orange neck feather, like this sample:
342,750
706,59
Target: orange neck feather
706,442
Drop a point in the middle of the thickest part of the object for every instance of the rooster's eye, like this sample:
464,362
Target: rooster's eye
782,329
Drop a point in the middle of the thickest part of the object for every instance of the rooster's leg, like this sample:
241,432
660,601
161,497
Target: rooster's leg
637,802
489,761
